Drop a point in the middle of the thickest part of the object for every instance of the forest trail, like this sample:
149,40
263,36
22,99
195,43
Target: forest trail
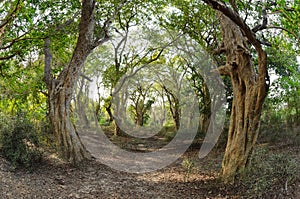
55,178
129,153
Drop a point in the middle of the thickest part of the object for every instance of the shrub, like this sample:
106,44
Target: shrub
167,132
268,172
19,141
188,165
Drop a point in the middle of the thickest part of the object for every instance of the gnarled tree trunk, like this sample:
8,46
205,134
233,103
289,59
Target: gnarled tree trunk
249,92
66,137
60,89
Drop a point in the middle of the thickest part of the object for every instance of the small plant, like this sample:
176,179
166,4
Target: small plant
19,141
188,165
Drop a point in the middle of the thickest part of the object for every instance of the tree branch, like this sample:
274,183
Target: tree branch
282,28
223,70
104,36
48,60
9,17
236,19
264,22
250,35
85,77
9,56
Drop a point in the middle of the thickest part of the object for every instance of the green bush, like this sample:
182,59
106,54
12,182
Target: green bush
167,132
269,175
19,141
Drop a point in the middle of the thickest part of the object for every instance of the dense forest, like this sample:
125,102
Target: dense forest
150,99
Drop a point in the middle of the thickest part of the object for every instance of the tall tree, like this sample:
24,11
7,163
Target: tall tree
91,35
249,80
243,27
140,104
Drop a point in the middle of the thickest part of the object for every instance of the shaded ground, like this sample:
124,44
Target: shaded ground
57,179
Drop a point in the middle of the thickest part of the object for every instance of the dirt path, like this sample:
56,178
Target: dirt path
57,179
131,154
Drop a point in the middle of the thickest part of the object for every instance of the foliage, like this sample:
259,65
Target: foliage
168,132
31,22
19,141
268,171
22,88
196,20
281,117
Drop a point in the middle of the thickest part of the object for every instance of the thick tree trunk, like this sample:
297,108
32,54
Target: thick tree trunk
60,89
249,92
66,137
139,117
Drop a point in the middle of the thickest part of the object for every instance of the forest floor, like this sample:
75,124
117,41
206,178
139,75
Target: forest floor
54,178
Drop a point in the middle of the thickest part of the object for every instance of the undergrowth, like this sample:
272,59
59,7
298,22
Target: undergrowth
19,141
269,175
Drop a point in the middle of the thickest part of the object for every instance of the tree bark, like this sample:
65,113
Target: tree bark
174,106
60,89
66,137
249,92
206,111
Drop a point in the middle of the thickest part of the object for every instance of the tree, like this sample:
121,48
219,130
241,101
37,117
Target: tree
205,32
141,105
126,59
249,81
249,92
60,89
172,84
244,28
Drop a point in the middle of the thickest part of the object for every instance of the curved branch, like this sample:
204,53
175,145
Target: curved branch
9,56
237,20
250,35
282,28
10,16
264,22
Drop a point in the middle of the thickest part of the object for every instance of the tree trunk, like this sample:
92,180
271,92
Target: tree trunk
139,117
66,137
206,111
176,115
174,106
249,92
108,110
60,89
80,105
